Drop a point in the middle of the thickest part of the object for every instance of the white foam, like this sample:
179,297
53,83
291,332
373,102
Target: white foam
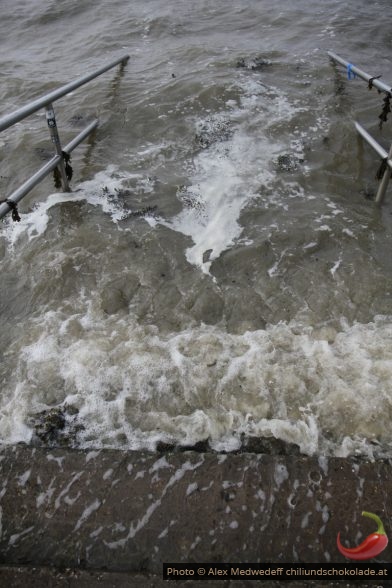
336,266
281,382
23,478
88,511
101,191
221,197
228,174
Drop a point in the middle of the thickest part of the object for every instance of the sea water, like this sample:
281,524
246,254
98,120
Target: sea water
220,270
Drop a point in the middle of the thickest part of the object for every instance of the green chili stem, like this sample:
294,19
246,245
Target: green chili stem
380,529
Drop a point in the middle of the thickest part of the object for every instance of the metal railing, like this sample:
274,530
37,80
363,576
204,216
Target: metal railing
373,81
61,156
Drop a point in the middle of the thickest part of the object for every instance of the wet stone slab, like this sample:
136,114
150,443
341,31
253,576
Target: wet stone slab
131,511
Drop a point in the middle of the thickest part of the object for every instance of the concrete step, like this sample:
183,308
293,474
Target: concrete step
113,512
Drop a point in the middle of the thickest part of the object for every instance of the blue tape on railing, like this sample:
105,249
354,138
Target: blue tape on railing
350,74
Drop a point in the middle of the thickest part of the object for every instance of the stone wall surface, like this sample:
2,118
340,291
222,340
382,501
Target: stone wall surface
128,512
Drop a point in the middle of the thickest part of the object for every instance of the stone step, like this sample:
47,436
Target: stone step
128,512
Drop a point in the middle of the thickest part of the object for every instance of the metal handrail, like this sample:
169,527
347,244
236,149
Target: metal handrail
360,73
385,155
10,119
58,161
45,170
372,142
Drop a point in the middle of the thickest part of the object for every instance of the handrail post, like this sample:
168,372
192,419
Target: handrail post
384,181
51,120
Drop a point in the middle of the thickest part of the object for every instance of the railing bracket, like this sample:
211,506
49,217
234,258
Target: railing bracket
14,209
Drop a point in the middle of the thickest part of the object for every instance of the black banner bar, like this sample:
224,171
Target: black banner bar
368,572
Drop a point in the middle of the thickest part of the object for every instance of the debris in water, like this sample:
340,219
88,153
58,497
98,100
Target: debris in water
287,163
212,131
55,427
255,64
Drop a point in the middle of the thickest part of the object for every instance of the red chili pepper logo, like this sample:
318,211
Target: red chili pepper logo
372,546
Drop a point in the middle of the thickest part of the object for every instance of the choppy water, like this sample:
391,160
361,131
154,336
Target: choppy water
218,271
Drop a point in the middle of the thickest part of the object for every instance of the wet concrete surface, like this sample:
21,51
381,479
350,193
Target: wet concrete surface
108,516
